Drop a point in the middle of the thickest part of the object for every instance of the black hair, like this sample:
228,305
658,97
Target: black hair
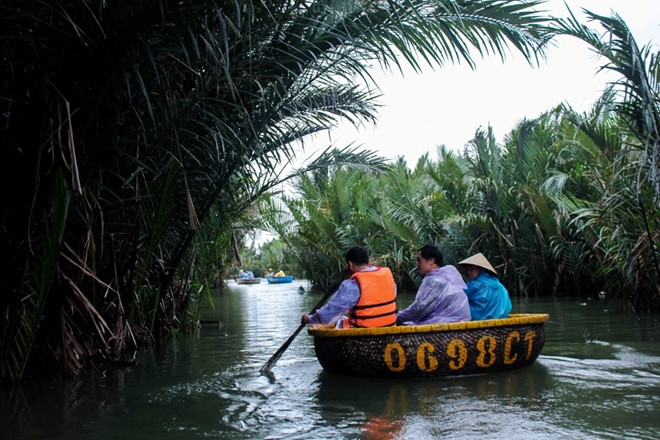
429,251
357,255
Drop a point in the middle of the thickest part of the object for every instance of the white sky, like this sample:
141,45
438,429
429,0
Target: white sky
420,112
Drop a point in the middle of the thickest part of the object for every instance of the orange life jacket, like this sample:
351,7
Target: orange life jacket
377,304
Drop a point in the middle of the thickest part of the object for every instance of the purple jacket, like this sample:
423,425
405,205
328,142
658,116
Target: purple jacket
440,298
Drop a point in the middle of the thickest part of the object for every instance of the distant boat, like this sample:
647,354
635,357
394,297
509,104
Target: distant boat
248,280
276,280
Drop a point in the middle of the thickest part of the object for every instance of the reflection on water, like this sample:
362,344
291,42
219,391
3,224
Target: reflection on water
598,377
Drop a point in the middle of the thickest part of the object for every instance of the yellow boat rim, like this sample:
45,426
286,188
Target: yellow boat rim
513,319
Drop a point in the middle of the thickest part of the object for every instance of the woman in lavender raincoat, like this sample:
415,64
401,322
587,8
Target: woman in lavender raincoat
441,297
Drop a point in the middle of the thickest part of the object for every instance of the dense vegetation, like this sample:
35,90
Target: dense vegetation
569,204
142,141
136,137
552,209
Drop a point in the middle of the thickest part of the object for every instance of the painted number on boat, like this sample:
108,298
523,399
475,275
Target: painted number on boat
457,353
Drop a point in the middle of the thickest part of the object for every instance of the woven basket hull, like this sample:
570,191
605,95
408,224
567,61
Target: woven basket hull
462,348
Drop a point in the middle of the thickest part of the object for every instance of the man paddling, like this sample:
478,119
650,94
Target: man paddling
368,296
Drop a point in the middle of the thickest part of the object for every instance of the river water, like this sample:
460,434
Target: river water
598,377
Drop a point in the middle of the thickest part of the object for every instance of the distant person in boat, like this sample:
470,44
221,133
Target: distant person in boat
368,296
488,298
280,273
441,296
242,274
249,275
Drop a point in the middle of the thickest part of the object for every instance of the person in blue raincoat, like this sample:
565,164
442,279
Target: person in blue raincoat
488,298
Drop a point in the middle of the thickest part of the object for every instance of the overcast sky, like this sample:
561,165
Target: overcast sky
421,111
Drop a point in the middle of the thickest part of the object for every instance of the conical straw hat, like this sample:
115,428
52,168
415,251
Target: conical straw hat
480,261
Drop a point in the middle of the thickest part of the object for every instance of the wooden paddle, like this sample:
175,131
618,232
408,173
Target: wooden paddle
274,358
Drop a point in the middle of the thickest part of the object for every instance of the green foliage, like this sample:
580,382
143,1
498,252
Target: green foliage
622,226
161,124
567,205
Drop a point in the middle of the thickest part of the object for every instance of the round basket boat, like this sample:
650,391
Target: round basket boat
451,349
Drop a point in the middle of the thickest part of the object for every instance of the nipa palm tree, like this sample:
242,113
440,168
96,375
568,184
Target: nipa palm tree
630,249
128,124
